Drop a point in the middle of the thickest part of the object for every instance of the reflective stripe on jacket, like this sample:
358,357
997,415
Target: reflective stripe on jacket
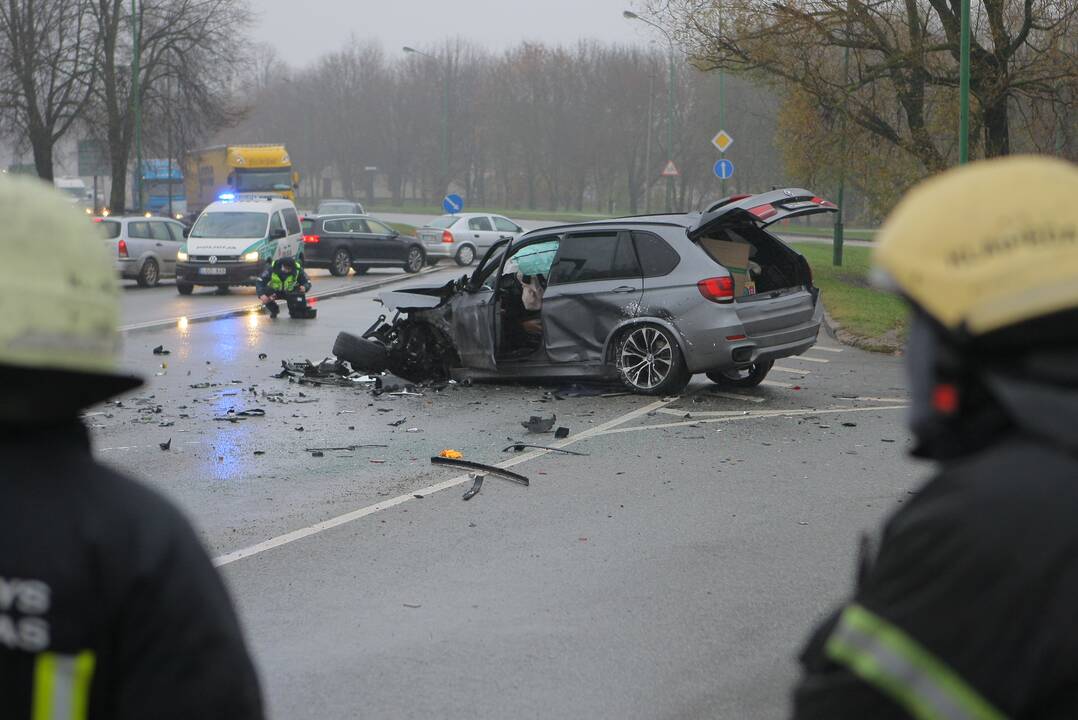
288,283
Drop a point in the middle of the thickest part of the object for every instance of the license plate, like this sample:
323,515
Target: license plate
212,271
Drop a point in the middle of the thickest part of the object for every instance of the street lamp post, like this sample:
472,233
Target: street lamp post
136,100
445,113
630,15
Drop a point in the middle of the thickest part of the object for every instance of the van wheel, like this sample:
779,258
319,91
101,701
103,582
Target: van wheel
748,377
465,256
341,263
184,288
649,361
149,274
364,355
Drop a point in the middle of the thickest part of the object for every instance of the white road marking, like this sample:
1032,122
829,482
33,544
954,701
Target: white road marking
826,349
776,383
806,358
348,517
735,396
880,399
793,371
707,413
752,416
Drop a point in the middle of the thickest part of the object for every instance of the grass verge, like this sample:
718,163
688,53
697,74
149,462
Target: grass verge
848,233
875,320
403,228
509,213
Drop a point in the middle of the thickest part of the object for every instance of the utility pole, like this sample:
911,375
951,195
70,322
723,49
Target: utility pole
647,147
136,100
840,230
963,89
630,15
168,121
445,112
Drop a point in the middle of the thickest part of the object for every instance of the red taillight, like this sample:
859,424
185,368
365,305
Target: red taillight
717,289
96,220
122,247
312,239
447,237
763,211
945,399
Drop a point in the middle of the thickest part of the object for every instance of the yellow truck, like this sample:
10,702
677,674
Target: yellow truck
233,170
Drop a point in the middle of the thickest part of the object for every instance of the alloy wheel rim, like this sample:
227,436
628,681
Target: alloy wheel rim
467,256
342,263
415,261
150,273
646,358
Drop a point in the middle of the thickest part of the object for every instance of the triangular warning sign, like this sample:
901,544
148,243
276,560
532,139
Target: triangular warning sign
670,170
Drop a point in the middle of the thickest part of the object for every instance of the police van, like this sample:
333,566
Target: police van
235,238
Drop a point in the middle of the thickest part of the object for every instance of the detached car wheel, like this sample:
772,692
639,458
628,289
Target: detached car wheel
184,288
465,256
747,377
341,263
649,361
363,355
149,274
416,261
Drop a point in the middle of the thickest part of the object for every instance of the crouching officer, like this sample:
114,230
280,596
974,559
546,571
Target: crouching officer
109,605
285,280
967,609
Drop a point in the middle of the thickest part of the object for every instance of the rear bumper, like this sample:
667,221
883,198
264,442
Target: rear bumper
713,348
441,249
234,273
127,268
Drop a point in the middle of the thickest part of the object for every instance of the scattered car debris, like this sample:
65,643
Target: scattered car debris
417,496
165,445
561,433
260,452
203,385
849,424
160,350
518,447
490,469
343,448
451,454
410,605
262,356
318,453
327,372
234,416
398,423
477,484
539,424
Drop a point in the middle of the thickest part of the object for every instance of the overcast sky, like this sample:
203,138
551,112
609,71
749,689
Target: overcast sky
302,30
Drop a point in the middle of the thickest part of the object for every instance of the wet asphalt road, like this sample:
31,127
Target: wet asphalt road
671,572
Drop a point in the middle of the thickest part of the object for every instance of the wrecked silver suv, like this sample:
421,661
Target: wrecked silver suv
648,300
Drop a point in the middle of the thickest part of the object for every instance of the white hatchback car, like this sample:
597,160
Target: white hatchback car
465,236
144,247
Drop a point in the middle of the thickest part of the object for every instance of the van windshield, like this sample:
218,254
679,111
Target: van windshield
231,225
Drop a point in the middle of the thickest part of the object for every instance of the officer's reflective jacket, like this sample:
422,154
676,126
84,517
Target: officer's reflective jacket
273,281
969,609
109,606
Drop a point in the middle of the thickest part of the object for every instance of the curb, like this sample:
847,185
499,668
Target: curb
870,344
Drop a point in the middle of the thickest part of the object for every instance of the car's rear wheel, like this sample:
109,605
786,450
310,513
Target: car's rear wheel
415,261
149,274
184,288
649,361
465,256
746,377
361,269
341,263
362,354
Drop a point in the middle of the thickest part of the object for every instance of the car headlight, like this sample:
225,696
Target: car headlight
181,256
251,257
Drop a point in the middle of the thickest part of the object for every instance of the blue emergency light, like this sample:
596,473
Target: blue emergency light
226,196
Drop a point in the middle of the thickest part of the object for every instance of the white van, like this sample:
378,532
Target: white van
234,240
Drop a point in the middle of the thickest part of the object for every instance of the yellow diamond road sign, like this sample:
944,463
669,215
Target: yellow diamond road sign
722,140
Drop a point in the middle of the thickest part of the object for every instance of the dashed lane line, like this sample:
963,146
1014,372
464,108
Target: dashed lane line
747,415
735,396
354,515
826,349
792,371
806,358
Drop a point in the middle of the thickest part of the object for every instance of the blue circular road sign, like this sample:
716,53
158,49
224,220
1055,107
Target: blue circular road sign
453,203
724,169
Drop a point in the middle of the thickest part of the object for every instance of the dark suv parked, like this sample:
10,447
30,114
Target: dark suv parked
342,242
651,300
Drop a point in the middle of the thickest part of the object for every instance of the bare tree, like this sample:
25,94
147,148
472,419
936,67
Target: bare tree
47,62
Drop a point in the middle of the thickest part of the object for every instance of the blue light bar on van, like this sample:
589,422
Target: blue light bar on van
226,196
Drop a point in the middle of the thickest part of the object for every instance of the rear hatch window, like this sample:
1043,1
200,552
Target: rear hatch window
109,229
443,222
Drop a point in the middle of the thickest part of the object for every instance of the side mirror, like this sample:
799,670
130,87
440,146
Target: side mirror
278,234
187,232
394,232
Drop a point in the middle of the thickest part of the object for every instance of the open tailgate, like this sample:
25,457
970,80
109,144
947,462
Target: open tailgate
762,209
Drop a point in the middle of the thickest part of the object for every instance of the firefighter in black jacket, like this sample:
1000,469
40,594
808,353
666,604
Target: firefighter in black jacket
285,280
966,610
109,606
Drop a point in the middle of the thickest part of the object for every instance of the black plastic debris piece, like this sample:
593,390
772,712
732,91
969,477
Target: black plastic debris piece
203,385
165,445
520,447
490,469
235,416
417,496
327,372
167,423
539,424
260,452
348,448
160,350
561,433
299,429
477,484
318,453
262,356
849,424
398,423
